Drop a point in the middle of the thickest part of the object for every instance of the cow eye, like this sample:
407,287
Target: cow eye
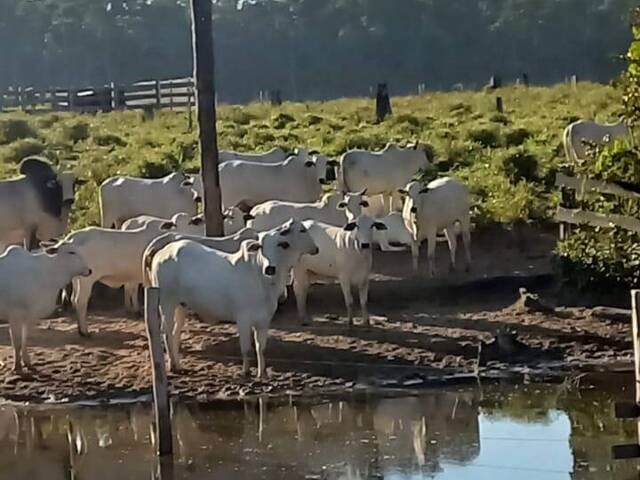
284,245
71,253
303,230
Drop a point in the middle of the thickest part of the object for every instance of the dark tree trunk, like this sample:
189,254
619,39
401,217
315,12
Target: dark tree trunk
203,61
383,104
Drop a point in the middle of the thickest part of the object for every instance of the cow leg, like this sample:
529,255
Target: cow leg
300,289
389,199
415,255
466,241
452,240
345,285
364,297
244,333
82,287
179,318
16,341
261,335
431,252
26,359
131,302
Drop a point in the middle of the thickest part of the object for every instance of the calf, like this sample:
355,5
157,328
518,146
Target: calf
122,198
185,223
344,254
29,288
114,257
440,205
242,287
275,155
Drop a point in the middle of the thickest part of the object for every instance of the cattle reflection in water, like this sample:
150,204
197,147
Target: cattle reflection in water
339,439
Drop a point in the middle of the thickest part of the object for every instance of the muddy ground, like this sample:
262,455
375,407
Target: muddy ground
423,330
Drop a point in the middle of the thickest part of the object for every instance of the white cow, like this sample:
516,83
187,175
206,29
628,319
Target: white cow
382,172
234,220
29,288
378,208
242,287
580,134
334,209
396,237
114,257
228,244
34,205
298,179
122,198
275,155
345,254
441,205
185,223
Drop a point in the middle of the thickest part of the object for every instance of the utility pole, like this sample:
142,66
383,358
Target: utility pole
203,65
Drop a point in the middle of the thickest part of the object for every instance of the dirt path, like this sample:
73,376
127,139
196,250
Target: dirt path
422,329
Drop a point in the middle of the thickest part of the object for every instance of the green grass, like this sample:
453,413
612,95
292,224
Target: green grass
507,159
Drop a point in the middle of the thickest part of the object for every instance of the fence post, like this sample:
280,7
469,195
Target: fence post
525,79
71,99
21,98
158,95
574,82
383,103
159,374
632,410
190,110
499,105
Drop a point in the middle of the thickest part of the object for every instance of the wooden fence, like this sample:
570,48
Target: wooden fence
153,95
581,186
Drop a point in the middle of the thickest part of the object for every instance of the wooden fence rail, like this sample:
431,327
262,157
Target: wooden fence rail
584,186
152,94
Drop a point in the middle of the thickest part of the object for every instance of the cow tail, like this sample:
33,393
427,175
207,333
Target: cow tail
342,184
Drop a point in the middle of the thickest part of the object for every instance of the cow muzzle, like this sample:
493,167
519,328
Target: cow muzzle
365,246
315,251
324,181
198,199
88,272
270,271
68,202
414,209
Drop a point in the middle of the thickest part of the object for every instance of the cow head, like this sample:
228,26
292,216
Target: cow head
72,261
283,246
362,230
353,203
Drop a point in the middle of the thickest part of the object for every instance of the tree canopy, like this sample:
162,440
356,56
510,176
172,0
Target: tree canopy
314,49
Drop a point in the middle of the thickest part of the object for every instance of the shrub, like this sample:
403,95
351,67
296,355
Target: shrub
499,118
76,132
407,118
158,168
21,149
281,120
48,121
108,140
311,119
520,165
240,116
486,137
13,129
460,108
516,137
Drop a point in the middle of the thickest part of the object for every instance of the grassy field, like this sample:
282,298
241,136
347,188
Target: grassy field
508,160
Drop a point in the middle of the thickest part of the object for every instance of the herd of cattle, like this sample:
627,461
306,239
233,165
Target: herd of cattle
280,229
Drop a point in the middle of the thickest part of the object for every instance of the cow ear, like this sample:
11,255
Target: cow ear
379,226
247,216
167,226
402,191
47,243
363,192
424,190
314,152
51,250
253,246
80,181
187,183
333,163
342,205
349,227
309,163
197,220
364,204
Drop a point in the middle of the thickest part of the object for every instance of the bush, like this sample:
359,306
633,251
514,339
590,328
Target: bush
157,168
460,108
516,137
282,120
486,137
240,116
76,132
108,140
407,118
520,165
22,148
499,118
13,129
313,119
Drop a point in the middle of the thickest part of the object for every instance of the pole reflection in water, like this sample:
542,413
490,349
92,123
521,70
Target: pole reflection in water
496,431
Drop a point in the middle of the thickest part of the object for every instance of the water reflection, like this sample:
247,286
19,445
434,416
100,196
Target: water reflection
494,431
